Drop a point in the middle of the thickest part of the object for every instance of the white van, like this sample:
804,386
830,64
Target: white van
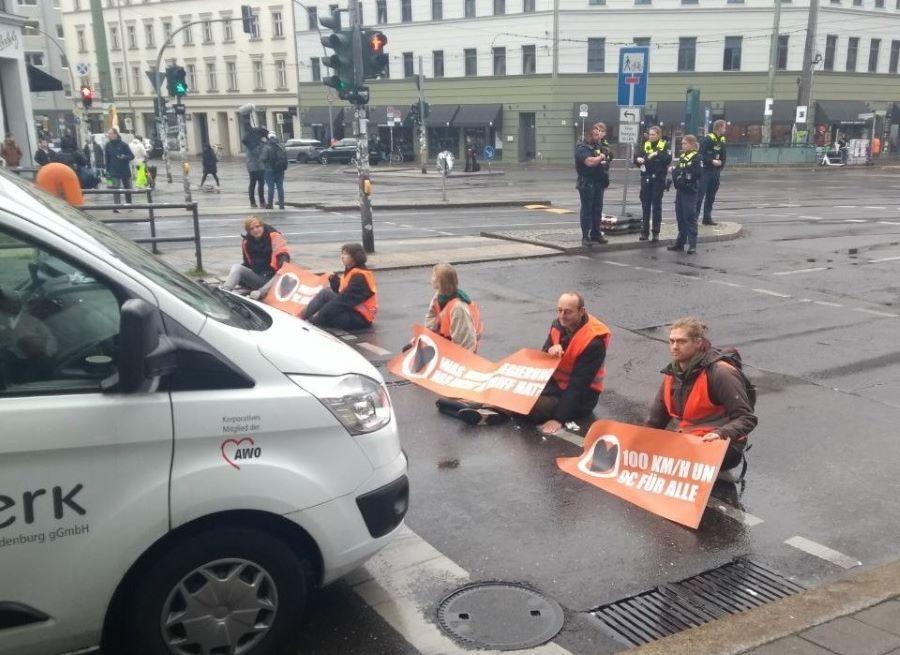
178,466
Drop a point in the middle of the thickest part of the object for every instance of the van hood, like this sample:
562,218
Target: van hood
293,345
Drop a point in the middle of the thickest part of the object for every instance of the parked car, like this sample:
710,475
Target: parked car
344,152
303,150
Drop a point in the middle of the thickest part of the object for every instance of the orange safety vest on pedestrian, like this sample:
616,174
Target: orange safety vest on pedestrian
700,415
369,307
279,247
580,340
443,319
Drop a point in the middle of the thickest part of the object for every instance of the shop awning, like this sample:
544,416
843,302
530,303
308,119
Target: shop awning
606,112
39,81
751,111
319,115
441,115
378,115
479,116
841,112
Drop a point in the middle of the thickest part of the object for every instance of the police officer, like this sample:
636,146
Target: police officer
712,160
654,160
592,159
685,177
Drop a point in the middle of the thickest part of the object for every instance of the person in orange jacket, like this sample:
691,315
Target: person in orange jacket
352,301
61,181
452,314
264,251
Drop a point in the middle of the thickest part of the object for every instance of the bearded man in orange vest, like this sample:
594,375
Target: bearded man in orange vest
706,392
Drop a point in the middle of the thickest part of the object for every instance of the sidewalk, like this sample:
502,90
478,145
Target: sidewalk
859,614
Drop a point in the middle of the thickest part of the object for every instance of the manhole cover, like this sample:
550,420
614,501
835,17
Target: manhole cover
500,616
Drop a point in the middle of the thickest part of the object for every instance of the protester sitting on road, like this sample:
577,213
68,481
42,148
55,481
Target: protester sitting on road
61,181
705,390
452,314
264,251
352,301
580,341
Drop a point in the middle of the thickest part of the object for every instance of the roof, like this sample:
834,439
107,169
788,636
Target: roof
479,116
836,112
441,115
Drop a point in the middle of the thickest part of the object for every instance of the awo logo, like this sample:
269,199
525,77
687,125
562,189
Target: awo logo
237,451
36,504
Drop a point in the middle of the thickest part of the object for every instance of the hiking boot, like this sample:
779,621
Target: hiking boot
675,248
692,251
601,240
587,243
654,238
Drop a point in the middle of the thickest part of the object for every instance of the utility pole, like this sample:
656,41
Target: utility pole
773,64
102,51
360,128
122,36
804,96
555,38
423,134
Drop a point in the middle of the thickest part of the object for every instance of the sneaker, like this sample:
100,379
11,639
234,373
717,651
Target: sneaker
643,237
654,238
280,206
675,248
731,475
253,204
268,206
481,416
710,222
692,251
587,243
601,240
255,295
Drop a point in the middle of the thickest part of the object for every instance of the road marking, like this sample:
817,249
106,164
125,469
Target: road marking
733,512
868,207
559,210
696,278
888,223
825,303
875,312
389,584
606,261
845,206
727,284
772,293
649,270
535,206
811,218
823,552
371,347
883,259
802,270
582,257
855,220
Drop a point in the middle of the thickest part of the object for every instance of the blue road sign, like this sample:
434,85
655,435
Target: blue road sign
634,65
488,152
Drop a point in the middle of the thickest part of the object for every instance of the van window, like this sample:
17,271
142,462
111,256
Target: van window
59,326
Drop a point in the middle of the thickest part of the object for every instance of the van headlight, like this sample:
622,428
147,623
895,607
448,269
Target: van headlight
360,403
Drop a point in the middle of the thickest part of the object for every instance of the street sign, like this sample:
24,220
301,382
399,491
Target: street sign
801,114
629,115
128,124
633,71
867,116
156,79
628,133
82,69
582,110
768,109
391,112
488,152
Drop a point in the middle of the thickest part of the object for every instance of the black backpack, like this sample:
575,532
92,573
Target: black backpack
279,157
732,356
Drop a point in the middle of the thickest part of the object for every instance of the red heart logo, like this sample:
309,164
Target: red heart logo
237,443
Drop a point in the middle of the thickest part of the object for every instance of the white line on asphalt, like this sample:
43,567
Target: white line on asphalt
772,293
391,580
855,220
845,206
695,278
727,284
802,270
875,312
868,207
883,259
649,270
582,257
371,347
811,218
888,223
733,512
606,261
825,303
823,552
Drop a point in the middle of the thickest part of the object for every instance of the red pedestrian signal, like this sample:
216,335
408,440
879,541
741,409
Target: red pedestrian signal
87,96
375,59
377,41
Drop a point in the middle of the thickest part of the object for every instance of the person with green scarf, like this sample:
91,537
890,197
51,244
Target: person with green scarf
452,314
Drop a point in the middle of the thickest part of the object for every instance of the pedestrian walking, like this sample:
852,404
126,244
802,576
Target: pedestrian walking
592,160
451,313
264,250
706,392
118,167
712,161
10,151
685,178
654,160
254,142
275,162
351,302
210,164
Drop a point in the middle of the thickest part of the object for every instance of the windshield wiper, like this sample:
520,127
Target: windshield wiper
240,308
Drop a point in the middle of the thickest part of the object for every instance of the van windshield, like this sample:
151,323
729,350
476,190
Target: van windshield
201,298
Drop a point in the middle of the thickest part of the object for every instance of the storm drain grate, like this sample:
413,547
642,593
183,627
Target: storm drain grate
737,586
500,616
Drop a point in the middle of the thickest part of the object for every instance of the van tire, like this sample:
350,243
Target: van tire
143,633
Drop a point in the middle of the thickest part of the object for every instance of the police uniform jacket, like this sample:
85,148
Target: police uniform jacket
592,173
686,175
653,170
712,147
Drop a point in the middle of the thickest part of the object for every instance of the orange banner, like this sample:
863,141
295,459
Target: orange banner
514,383
667,473
294,287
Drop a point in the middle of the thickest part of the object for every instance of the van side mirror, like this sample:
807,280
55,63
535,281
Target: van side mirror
145,352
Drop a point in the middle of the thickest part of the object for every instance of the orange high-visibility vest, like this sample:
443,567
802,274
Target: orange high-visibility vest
279,247
580,340
369,307
700,415
443,319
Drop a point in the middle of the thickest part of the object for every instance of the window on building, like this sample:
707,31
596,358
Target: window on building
212,83
857,3
529,60
207,32
332,9
895,56
406,11
732,59
690,2
596,55
874,47
830,49
835,2
31,3
437,9
437,63
119,77
381,12
167,30
781,61
643,2
528,6
231,72
113,37
277,25
281,73
259,80
312,18
190,73
254,26
469,8
386,75
131,34
408,70
59,32
642,40
77,5
79,36
188,34
315,67
596,2
227,32
148,34
852,52
499,55
499,7
735,2
136,80
687,53
34,58
470,55
63,61
879,4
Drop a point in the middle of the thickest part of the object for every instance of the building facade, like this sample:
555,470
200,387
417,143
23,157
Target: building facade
513,73
16,115
226,68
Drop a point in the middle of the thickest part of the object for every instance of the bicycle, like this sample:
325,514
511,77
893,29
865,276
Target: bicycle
396,156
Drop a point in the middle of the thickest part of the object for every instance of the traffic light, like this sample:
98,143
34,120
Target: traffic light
247,18
341,62
375,60
87,96
176,82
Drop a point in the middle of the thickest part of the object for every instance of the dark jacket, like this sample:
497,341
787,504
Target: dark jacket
273,157
712,147
117,155
210,163
583,150
42,156
356,292
655,166
726,388
686,175
258,253
578,399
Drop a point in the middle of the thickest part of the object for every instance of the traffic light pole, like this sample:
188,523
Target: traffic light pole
360,128
423,138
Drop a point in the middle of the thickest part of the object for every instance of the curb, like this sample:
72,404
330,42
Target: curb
739,633
438,205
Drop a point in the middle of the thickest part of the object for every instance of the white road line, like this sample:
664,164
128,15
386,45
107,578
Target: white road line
392,579
616,264
649,270
883,259
888,223
802,270
875,312
868,207
582,256
727,284
733,512
845,206
825,303
695,278
372,348
811,218
855,220
772,293
823,552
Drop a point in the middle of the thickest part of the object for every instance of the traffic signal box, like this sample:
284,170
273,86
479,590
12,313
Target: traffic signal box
87,96
176,81
344,77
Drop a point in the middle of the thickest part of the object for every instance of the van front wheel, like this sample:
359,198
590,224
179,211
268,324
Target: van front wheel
224,591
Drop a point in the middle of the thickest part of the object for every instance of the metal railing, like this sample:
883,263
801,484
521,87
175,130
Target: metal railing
112,192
